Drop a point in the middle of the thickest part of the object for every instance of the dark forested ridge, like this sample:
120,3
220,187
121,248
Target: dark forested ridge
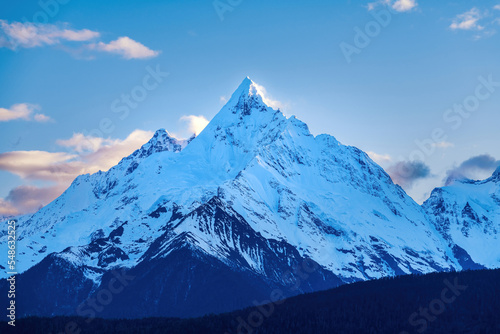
463,302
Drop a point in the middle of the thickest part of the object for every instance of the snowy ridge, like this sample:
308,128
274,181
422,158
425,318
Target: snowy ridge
467,214
258,193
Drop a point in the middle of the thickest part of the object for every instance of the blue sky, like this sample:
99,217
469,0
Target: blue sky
66,66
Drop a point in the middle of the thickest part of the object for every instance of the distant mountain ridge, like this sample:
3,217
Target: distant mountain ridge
467,214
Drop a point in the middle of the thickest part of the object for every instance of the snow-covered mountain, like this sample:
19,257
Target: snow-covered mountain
215,222
467,214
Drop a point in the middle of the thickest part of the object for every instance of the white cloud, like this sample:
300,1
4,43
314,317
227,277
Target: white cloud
126,47
261,90
404,5
29,35
17,111
81,143
111,153
468,20
375,4
42,118
22,111
371,5
497,7
398,5
196,124
380,158
223,99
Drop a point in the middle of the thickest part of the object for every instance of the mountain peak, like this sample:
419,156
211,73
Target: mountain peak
255,194
160,133
248,95
496,174
161,141
244,88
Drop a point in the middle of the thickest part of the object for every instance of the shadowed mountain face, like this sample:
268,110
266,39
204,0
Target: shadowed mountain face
452,302
253,205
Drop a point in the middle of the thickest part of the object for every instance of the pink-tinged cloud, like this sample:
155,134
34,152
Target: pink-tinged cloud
29,35
27,199
63,166
406,173
89,155
22,111
126,47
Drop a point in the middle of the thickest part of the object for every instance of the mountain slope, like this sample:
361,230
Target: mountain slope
254,196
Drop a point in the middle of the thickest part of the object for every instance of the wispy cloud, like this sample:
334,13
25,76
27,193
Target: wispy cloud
380,158
41,165
468,20
87,155
28,198
17,35
81,143
471,168
126,47
22,111
478,21
111,152
30,35
7,209
266,98
404,5
406,173
397,5
42,118
372,5
443,144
